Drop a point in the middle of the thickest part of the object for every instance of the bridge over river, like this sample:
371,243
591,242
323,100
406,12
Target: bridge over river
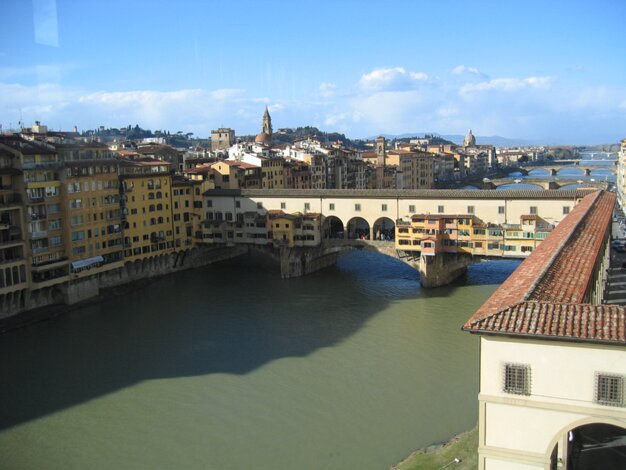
362,214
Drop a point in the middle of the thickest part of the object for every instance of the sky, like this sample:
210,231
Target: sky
546,71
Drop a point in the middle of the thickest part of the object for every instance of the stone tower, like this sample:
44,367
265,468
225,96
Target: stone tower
267,123
381,151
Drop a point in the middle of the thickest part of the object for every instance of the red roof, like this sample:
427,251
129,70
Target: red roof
544,296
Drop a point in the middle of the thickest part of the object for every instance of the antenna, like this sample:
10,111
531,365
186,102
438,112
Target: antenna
21,123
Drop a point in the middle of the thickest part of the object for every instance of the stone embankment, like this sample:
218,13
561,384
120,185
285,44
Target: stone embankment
52,301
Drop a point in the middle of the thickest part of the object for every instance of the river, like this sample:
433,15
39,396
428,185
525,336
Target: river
230,367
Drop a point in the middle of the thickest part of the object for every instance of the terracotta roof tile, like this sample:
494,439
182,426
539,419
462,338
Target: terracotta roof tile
544,296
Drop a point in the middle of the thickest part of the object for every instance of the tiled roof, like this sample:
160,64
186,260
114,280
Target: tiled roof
423,193
544,296
576,322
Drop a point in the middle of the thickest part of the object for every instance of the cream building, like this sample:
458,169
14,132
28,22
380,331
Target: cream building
552,358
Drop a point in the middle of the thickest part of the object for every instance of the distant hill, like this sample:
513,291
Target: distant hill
495,140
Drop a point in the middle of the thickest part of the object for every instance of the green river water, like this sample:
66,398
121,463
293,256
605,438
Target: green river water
230,367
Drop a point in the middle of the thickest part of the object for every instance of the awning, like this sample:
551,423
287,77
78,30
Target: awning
83,263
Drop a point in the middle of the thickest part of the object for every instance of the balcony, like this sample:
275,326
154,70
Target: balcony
38,235
36,215
41,165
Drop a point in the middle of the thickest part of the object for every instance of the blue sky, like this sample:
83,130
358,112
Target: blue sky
550,71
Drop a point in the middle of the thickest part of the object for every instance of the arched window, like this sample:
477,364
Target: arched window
150,195
159,195
160,220
151,184
157,184
159,207
151,208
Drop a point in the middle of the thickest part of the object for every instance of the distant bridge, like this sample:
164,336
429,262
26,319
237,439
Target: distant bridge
585,170
539,182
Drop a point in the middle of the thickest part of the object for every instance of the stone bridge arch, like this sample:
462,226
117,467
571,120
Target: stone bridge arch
332,228
384,229
358,229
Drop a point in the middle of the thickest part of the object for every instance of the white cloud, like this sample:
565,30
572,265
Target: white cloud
391,79
327,90
506,84
462,69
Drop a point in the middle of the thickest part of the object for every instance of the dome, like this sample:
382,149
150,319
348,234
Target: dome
262,138
470,140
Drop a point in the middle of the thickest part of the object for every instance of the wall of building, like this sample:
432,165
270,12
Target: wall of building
488,209
523,429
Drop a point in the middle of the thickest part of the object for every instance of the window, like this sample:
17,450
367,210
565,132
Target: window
331,206
609,389
441,209
76,236
517,379
565,210
470,209
412,209
357,207
307,206
533,210
500,209
283,205
238,204
209,203
384,208
259,205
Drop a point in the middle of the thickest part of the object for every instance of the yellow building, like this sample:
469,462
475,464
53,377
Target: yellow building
272,173
147,208
186,212
295,229
13,261
92,222
40,190
283,227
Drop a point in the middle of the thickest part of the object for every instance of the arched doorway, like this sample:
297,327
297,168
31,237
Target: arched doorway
384,229
592,446
358,228
332,227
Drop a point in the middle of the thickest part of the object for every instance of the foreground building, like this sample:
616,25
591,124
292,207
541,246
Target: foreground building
552,357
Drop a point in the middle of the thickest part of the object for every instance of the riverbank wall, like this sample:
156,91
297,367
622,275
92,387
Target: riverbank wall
28,306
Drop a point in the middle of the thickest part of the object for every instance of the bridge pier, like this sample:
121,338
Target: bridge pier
300,261
442,269
554,172
435,271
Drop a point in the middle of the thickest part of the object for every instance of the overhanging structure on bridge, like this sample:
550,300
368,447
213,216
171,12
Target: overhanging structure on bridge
366,215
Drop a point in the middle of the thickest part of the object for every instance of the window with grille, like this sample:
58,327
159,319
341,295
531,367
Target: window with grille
470,209
357,207
517,379
412,209
331,207
441,209
609,389
533,210
383,208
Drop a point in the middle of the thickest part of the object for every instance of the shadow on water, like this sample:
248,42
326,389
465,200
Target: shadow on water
231,318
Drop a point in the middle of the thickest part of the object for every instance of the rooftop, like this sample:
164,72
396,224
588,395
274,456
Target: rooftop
544,296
